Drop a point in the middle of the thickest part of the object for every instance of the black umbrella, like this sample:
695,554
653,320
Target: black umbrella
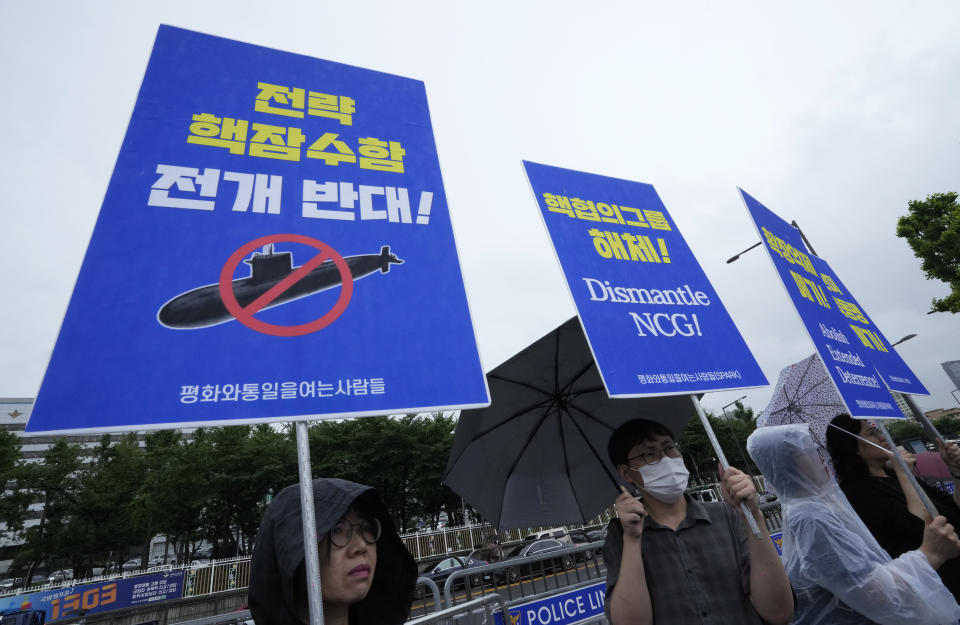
538,454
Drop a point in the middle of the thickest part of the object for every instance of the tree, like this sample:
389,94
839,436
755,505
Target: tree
932,229
175,490
103,525
54,483
904,430
741,413
949,427
14,500
731,434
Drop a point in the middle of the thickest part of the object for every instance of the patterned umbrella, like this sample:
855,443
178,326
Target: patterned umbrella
805,394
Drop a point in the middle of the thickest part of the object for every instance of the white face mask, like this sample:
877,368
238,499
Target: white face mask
665,480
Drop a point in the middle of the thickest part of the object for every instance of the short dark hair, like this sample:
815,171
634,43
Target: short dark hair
843,447
630,434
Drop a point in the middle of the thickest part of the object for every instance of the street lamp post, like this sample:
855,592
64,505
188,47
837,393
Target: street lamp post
928,427
743,457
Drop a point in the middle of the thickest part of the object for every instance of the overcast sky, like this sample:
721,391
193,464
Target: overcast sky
832,114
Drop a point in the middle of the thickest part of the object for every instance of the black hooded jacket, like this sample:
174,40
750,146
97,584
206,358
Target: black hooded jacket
278,556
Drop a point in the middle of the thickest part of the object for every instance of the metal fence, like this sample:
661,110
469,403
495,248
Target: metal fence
477,611
519,578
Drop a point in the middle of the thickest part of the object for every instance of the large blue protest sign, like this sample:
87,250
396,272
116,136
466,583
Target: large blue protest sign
895,372
96,597
274,244
843,335
653,320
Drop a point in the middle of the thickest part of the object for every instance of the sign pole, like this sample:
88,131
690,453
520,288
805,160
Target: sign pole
723,463
311,555
906,470
928,427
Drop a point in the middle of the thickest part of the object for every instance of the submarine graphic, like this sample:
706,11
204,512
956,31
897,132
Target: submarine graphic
203,307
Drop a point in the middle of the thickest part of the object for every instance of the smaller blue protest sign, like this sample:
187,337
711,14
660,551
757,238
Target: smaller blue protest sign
560,609
842,334
888,363
654,322
97,597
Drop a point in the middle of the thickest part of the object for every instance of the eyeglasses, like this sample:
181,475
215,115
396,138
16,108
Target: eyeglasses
342,532
671,450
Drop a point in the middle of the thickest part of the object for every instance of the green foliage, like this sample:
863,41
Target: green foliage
741,413
404,459
731,434
932,229
904,430
214,487
54,482
949,427
101,519
14,502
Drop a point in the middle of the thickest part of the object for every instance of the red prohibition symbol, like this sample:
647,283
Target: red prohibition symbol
245,315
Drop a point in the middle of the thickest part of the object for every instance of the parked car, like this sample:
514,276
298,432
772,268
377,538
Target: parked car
580,537
512,574
133,564
595,535
62,575
556,533
440,570
10,583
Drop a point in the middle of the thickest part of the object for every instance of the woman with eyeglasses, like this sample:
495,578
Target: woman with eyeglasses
367,577
883,497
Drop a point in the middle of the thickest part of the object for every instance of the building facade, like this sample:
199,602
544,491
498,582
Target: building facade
952,367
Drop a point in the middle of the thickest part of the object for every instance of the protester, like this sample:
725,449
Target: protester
884,498
367,577
839,572
673,560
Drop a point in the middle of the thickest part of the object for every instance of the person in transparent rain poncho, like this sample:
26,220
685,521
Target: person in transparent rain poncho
839,572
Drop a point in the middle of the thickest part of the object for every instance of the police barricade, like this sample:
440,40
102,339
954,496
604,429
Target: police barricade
518,578
240,617
480,611
581,604
422,605
772,516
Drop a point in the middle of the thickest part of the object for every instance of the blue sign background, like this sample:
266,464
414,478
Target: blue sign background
405,341
818,296
97,597
888,363
645,343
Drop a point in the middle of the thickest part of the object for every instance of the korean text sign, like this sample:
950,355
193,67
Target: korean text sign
849,343
274,243
653,320
66,603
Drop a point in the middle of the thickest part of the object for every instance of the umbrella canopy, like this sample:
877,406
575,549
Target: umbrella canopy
804,394
538,454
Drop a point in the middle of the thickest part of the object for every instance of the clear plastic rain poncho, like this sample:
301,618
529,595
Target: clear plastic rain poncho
839,572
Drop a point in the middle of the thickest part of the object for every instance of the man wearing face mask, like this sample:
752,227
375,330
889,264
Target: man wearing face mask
672,559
